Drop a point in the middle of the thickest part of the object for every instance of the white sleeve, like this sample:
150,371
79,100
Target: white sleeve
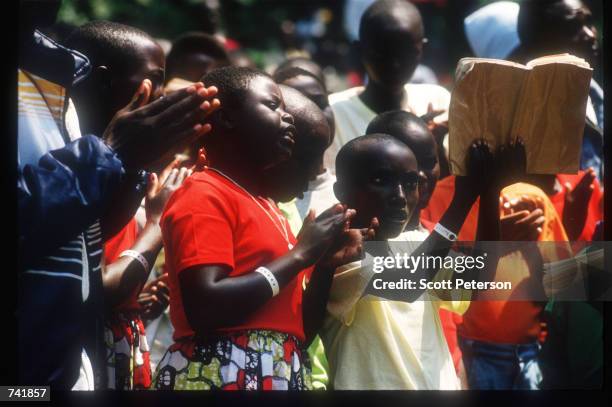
348,286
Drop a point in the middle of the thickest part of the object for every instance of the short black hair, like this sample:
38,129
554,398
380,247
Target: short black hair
282,74
107,43
231,82
305,64
379,14
194,42
535,16
393,121
351,155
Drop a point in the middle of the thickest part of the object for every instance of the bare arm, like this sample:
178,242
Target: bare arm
122,277
213,299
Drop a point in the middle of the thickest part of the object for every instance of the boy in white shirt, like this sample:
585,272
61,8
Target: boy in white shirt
375,344
391,37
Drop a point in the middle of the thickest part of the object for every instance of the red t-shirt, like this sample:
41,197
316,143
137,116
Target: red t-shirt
209,220
595,211
440,201
113,247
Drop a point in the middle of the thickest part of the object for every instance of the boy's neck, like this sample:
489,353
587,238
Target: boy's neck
381,99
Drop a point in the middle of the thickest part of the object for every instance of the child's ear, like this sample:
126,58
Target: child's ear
225,119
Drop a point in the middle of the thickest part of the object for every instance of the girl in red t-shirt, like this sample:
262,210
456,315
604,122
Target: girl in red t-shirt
242,318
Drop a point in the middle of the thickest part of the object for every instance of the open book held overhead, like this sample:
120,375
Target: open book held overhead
543,102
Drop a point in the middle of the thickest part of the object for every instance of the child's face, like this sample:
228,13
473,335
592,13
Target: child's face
424,147
313,90
267,134
387,188
149,64
391,57
290,178
198,64
578,27
430,166
310,88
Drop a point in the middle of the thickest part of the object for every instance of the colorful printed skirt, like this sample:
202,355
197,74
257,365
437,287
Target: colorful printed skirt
250,360
127,353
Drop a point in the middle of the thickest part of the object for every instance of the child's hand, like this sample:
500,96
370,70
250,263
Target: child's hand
142,132
177,163
349,247
521,219
438,129
154,298
157,196
577,204
523,203
480,167
522,225
319,234
201,160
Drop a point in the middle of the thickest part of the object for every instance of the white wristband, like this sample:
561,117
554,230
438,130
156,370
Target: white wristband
444,232
135,255
271,279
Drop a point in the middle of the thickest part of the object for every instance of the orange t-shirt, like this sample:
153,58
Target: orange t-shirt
514,322
113,247
595,209
210,220
499,321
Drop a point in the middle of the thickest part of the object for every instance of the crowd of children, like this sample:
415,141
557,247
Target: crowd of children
190,224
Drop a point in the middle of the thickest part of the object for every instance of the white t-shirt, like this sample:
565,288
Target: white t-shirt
352,116
319,196
374,344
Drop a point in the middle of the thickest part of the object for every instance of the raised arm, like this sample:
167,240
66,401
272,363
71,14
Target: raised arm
125,275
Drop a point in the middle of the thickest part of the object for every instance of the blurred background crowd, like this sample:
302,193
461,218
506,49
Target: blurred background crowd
265,32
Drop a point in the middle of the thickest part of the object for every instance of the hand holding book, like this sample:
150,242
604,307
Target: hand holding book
544,102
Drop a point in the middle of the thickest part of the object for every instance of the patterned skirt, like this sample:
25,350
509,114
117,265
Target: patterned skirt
249,360
127,353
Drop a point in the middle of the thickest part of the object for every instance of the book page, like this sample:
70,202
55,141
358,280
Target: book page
482,105
559,58
551,115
